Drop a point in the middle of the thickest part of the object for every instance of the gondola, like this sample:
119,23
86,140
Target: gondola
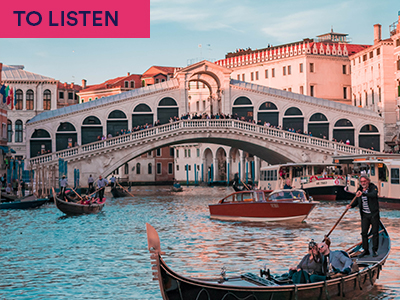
73,208
251,286
118,192
30,201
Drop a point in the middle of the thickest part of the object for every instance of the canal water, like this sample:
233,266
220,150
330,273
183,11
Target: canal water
46,255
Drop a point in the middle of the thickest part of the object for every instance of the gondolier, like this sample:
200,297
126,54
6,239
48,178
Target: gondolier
63,186
101,184
112,181
367,201
90,183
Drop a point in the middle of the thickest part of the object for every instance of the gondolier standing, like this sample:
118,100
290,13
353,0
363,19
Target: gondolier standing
90,183
101,184
112,181
63,186
367,201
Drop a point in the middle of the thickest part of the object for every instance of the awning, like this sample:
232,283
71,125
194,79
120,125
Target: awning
6,149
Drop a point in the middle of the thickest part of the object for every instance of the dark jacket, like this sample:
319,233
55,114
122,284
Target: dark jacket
372,197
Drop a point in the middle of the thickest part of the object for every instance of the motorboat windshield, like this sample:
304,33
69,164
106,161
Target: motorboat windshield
290,194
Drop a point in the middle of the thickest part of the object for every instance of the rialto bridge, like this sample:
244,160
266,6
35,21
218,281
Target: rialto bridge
57,132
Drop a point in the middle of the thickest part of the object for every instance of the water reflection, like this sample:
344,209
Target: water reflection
46,255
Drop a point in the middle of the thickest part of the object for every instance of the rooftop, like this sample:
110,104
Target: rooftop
10,73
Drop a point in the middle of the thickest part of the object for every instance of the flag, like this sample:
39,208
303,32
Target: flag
12,98
3,92
7,94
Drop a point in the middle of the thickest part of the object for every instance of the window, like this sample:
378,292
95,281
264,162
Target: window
394,176
149,169
273,72
344,69
158,168
9,131
18,131
302,90
70,96
177,153
243,77
149,153
379,95
366,98
364,57
126,84
158,152
198,152
61,95
372,96
171,152
311,67
185,152
251,76
301,68
311,90
284,71
138,168
126,169
345,93
188,152
170,168
266,73
29,100
397,44
257,75
19,95
46,100
289,70
289,89
177,167
238,76
398,64
132,84
371,54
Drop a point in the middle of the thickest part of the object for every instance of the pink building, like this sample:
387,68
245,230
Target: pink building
318,68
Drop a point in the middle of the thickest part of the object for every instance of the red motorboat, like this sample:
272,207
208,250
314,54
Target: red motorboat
264,206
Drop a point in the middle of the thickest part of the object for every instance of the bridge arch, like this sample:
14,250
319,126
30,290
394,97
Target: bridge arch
268,112
318,125
208,158
141,115
293,118
343,130
116,122
40,142
167,107
369,137
66,136
220,159
243,107
91,129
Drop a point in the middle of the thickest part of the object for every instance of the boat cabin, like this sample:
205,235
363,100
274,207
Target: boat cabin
266,195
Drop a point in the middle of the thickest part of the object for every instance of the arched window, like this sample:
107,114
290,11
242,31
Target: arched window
91,121
91,130
29,100
142,108
19,100
167,102
138,168
18,131
369,128
117,114
149,169
243,108
268,106
167,108
46,100
268,114
343,123
242,101
141,115
40,142
293,111
319,126
318,117
9,131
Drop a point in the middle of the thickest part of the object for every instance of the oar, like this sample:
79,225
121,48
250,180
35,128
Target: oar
125,190
246,186
76,193
54,196
95,192
358,244
341,217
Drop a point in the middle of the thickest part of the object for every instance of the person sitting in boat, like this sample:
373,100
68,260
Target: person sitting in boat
310,267
176,184
8,188
334,262
288,184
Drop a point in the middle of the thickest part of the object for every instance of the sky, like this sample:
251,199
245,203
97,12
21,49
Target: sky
184,31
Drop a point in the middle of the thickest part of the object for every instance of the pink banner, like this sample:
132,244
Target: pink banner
75,19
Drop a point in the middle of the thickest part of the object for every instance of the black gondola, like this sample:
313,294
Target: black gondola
118,192
251,286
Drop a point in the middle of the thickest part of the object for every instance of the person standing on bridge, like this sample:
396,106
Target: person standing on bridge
101,185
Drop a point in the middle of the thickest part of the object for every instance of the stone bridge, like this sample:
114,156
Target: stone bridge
270,144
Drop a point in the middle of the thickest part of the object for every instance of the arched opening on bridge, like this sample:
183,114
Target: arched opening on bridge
318,125
221,160
208,165
40,142
243,108
117,122
268,113
66,136
142,115
233,163
199,97
344,131
91,129
293,118
167,108
369,137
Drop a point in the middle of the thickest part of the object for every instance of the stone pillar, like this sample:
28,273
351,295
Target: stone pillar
257,168
242,166
203,169
215,163
229,175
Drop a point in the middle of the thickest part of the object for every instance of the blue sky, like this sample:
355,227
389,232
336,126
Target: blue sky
178,27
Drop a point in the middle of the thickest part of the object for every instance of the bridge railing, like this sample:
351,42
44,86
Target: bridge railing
201,123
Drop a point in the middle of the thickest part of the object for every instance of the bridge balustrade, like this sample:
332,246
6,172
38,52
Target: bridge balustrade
210,123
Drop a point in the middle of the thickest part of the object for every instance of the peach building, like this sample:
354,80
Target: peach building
156,74
316,67
67,94
374,82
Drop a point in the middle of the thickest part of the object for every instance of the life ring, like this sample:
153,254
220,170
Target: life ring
336,181
313,178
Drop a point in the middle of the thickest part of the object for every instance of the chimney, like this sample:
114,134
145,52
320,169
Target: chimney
377,33
83,84
129,73
72,85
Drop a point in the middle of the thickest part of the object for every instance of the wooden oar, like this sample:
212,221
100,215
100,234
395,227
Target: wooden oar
54,196
76,193
95,191
125,190
246,186
341,217
358,244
